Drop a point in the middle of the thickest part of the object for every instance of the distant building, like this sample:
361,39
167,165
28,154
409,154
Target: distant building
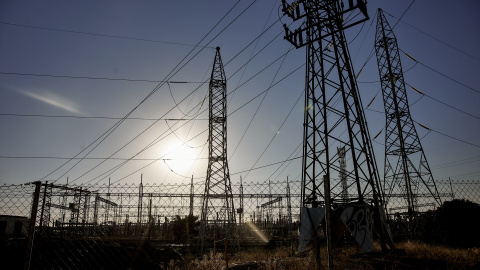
15,226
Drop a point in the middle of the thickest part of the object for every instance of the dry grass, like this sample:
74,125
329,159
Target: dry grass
452,256
411,255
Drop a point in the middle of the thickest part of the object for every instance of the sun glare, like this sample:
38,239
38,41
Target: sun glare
180,157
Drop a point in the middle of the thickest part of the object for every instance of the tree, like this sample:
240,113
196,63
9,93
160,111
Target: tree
455,223
185,229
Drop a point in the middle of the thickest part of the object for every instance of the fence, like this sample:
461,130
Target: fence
94,216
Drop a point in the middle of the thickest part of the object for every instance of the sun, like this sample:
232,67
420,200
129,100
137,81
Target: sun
180,157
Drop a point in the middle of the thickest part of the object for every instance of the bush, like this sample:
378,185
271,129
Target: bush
185,229
455,223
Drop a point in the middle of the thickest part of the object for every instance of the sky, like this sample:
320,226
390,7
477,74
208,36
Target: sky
70,71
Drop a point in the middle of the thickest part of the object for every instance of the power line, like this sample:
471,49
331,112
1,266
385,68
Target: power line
89,158
465,174
230,60
264,166
251,58
363,40
438,72
259,105
101,35
96,117
441,102
446,135
172,73
255,47
92,78
276,133
147,128
403,14
151,144
458,162
252,99
444,43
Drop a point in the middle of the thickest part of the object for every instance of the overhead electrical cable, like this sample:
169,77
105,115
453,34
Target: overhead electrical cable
441,102
440,73
244,171
467,174
276,133
237,88
295,152
100,35
96,117
443,42
105,174
140,169
87,158
255,47
363,40
252,99
403,14
446,135
264,166
205,109
172,73
259,105
92,78
156,140
458,163
175,72
241,86
254,77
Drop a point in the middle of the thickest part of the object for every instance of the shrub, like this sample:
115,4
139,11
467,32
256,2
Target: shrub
455,223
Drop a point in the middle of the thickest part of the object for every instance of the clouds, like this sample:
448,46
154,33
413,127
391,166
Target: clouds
54,100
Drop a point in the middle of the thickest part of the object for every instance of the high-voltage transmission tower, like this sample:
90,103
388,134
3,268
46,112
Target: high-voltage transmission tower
334,116
218,212
407,173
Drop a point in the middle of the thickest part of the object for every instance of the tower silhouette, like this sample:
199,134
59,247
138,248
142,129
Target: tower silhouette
407,174
218,212
334,116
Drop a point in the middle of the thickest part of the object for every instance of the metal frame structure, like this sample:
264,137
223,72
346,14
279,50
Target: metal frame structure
78,208
218,219
334,115
406,168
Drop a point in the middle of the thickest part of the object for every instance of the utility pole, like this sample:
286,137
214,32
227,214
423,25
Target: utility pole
140,206
217,207
240,209
334,115
406,168
192,191
289,205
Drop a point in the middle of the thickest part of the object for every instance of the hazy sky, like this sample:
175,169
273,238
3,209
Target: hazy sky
105,59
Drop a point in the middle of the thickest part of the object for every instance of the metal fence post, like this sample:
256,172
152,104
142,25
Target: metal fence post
31,226
328,221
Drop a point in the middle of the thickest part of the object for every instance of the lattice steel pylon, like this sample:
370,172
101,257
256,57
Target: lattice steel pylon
334,115
218,219
406,173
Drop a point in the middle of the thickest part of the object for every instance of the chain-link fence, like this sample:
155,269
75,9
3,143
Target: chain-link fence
105,225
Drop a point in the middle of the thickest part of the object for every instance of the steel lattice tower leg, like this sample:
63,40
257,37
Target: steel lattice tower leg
334,115
218,212
407,173
343,175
